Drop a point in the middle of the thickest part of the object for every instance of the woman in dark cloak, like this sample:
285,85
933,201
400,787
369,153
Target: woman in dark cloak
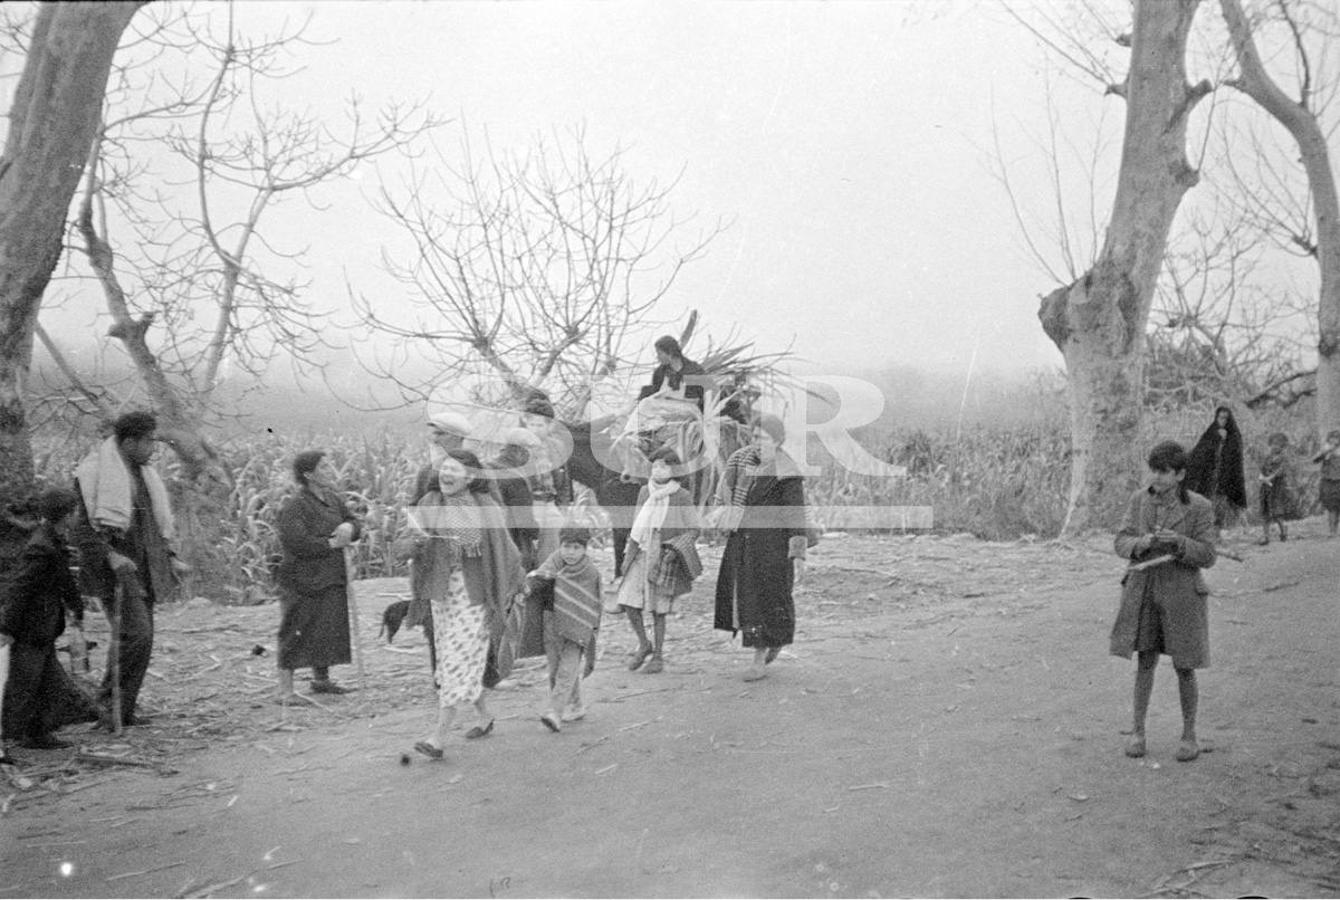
1214,469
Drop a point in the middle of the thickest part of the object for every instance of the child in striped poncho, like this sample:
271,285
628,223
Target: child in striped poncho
570,623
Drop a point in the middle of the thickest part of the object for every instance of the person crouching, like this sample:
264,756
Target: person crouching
40,696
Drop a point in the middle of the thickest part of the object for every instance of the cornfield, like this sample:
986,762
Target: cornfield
996,481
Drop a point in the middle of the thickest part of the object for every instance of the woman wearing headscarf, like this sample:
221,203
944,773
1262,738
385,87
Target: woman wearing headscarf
1214,468
764,497
315,525
472,575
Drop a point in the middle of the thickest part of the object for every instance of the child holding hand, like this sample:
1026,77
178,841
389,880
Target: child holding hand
1168,534
571,620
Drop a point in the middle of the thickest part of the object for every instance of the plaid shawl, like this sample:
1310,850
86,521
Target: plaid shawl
678,566
735,483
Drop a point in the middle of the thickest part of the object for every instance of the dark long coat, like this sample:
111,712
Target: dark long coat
1215,465
39,695
756,577
1174,591
41,590
314,630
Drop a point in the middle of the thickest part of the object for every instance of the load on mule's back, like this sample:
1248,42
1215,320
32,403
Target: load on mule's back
700,415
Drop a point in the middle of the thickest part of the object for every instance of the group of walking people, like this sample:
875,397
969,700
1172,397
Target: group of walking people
497,576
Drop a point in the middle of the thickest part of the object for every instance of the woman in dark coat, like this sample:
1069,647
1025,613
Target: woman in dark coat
314,526
764,559
1214,468
39,695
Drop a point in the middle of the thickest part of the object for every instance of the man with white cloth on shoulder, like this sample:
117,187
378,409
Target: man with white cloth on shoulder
125,535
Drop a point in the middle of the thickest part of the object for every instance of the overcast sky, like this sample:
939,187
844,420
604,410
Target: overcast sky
848,145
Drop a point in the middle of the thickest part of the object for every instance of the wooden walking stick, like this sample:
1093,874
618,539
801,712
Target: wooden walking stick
4,680
114,652
354,638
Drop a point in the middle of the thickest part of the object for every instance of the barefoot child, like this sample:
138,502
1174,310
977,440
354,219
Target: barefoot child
570,624
1169,534
1329,457
1277,477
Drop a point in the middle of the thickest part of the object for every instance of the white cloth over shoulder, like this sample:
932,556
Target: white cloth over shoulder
104,482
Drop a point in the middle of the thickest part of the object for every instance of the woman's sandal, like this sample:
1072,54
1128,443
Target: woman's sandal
479,731
755,673
1135,747
1187,751
432,751
638,657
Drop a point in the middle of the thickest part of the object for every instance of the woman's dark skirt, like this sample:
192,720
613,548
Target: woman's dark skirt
40,695
314,628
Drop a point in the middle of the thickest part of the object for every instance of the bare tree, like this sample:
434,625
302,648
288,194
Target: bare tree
1221,325
1300,116
52,123
526,270
190,283
1098,321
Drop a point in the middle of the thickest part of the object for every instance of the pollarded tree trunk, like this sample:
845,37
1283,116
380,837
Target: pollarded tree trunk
1098,322
56,112
1300,121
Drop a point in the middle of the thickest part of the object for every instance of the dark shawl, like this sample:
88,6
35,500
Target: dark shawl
1215,464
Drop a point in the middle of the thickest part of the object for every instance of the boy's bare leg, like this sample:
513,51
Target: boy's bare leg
1189,695
638,656
1333,522
658,632
639,628
1144,686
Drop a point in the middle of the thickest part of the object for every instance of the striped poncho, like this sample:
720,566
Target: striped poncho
576,595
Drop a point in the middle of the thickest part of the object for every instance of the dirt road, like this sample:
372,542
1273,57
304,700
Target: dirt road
947,724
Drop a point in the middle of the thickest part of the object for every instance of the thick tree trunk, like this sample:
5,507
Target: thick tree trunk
1301,122
55,115
1099,321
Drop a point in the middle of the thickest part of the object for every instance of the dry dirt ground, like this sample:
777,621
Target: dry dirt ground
948,723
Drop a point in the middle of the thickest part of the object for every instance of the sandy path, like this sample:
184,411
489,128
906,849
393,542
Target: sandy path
947,724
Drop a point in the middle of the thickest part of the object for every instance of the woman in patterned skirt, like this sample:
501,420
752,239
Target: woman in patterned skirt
471,575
